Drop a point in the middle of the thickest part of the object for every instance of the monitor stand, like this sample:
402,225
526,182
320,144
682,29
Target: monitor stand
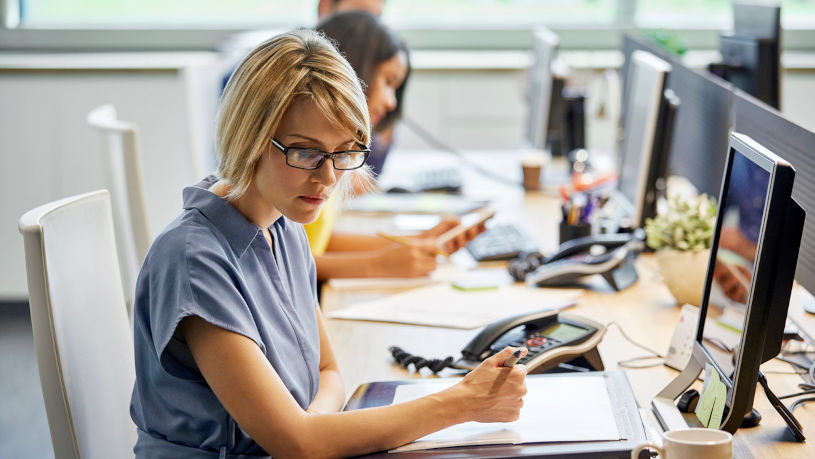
782,410
671,418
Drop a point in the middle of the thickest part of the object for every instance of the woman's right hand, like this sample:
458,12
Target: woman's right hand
415,260
492,392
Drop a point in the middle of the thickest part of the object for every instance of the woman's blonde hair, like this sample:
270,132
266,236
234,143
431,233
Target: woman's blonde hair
301,63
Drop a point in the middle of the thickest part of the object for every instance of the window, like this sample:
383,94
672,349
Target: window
429,13
714,13
163,13
268,13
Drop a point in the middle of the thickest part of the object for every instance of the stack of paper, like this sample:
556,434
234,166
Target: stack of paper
442,305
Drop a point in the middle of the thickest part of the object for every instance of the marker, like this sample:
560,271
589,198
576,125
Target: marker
405,241
512,359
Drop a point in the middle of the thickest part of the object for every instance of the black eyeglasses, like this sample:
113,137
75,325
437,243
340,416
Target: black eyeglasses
310,159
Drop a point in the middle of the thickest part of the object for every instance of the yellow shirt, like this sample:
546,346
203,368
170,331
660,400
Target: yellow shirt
319,231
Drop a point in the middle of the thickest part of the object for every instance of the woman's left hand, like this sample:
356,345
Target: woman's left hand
446,224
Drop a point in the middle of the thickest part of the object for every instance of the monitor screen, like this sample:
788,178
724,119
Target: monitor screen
743,206
647,76
544,43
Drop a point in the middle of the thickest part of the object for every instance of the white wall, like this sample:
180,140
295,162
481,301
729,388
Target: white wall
48,151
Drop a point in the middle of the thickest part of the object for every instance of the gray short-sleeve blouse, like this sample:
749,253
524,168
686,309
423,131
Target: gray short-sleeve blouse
213,263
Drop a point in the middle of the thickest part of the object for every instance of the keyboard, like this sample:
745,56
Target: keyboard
445,180
501,242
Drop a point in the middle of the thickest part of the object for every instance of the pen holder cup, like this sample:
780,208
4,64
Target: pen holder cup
569,232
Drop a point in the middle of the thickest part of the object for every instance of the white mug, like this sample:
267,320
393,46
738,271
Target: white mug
697,443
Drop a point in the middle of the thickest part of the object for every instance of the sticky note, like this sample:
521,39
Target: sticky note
720,396
710,408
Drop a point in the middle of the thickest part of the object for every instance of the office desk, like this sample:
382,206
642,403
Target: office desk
646,311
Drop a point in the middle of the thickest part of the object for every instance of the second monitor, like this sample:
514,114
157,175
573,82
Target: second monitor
646,136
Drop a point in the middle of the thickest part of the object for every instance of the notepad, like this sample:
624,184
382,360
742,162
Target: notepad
441,305
557,408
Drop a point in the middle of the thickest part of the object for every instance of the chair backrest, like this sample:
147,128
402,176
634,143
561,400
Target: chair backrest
82,335
124,180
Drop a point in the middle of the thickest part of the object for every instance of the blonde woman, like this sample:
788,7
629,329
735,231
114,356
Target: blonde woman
232,357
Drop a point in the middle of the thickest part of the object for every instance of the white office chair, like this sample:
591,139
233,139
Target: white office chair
81,331
124,180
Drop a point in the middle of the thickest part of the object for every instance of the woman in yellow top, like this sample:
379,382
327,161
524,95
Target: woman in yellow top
381,60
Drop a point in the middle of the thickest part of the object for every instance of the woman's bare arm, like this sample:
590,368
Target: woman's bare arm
253,393
331,394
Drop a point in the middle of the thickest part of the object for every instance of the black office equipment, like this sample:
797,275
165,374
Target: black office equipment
700,135
644,122
442,180
610,255
501,242
751,52
551,339
760,287
573,124
655,187
647,126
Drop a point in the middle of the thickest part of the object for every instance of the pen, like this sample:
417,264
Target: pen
564,194
512,359
405,241
587,211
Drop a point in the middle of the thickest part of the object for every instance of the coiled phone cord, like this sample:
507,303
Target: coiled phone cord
405,358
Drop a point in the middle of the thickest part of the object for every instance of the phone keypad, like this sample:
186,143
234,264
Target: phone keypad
536,343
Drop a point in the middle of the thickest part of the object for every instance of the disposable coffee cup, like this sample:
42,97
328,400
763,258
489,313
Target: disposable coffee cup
532,166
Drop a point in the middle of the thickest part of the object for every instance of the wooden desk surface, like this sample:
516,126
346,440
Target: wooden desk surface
646,311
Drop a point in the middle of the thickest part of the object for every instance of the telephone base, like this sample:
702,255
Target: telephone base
623,276
581,363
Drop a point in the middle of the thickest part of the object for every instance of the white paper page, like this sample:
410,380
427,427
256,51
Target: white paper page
442,305
446,272
556,409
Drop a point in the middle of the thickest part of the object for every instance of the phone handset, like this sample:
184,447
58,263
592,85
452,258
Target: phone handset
551,339
610,255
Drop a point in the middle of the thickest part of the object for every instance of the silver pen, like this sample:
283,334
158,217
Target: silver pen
513,359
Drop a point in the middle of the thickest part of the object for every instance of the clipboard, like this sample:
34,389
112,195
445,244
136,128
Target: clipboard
624,406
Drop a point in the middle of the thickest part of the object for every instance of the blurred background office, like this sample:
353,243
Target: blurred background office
161,64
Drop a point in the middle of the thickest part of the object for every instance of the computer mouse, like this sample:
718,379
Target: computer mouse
397,189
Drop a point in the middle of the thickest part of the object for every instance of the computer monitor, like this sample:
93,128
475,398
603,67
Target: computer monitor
637,162
700,139
751,52
758,229
773,130
544,45
632,42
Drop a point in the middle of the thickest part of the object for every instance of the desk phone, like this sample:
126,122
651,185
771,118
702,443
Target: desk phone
551,338
610,255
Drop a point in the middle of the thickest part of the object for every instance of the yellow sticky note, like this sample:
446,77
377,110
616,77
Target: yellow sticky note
710,408
720,395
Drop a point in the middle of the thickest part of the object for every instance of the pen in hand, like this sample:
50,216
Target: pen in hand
513,359
402,240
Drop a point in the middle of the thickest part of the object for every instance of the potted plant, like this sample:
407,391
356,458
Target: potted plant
681,238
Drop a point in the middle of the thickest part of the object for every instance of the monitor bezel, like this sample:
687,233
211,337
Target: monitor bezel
660,69
741,386
544,44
